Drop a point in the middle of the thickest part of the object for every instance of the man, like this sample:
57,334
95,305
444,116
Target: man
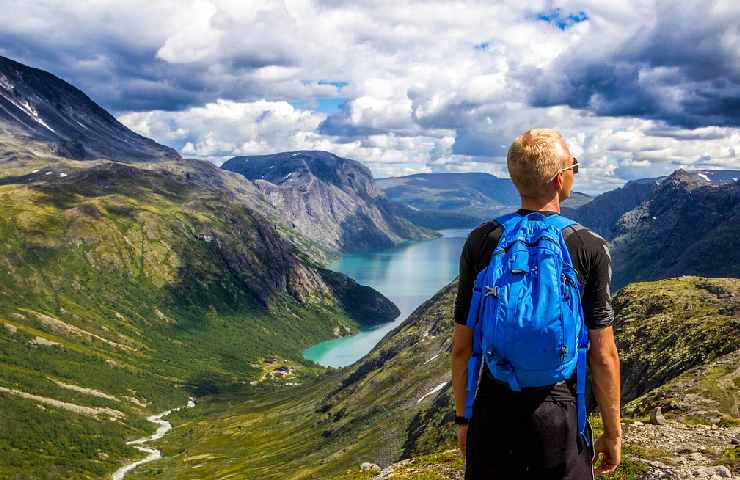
533,433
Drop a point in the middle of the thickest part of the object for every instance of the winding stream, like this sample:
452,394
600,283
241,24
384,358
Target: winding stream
163,426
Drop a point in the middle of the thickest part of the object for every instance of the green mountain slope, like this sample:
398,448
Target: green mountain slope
131,287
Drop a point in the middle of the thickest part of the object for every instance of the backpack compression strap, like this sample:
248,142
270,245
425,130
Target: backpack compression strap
581,363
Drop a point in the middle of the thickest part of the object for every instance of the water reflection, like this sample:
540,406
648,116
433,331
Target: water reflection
408,275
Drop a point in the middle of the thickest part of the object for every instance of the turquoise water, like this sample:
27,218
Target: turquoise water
408,275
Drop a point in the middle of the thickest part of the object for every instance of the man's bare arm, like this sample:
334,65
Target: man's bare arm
462,348
604,365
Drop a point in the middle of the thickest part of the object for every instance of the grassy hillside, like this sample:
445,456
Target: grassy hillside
324,426
125,289
673,332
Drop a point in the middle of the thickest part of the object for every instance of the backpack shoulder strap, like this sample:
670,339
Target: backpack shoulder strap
509,220
509,223
560,222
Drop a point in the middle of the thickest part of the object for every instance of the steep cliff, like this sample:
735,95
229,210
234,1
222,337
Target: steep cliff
329,199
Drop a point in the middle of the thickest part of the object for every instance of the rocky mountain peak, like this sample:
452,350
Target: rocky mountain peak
683,180
329,199
44,109
291,169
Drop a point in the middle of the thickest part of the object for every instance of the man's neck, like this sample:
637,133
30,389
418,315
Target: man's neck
539,205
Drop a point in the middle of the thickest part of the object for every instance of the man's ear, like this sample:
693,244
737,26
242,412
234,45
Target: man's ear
557,182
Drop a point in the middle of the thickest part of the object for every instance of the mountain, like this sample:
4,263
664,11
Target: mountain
686,226
396,401
456,200
602,213
140,284
329,199
53,117
129,285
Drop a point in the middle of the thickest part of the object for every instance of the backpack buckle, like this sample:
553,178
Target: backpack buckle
491,291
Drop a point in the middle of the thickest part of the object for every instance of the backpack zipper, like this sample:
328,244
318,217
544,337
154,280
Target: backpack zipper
563,344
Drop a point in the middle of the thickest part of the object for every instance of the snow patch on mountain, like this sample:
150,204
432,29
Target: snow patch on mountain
432,391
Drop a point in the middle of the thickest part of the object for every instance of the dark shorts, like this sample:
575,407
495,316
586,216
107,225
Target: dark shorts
526,441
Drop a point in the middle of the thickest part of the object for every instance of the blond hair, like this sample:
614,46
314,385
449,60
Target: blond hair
534,159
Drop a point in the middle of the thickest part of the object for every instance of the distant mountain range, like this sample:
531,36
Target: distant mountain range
658,227
456,200
329,199
668,226
687,225
53,117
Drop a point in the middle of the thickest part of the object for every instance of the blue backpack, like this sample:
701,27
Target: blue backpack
526,311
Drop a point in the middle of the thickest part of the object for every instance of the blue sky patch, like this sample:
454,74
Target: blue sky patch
327,105
562,21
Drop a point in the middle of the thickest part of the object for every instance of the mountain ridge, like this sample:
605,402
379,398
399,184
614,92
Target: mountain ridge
329,199
456,199
133,280
49,112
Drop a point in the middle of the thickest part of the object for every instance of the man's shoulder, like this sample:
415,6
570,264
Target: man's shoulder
585,237
483,230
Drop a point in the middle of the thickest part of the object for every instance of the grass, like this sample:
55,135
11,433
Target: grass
122,260
630,468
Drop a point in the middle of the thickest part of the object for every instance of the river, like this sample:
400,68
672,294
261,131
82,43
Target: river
408,275
163,426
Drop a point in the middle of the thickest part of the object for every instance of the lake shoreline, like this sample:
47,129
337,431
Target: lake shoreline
407,274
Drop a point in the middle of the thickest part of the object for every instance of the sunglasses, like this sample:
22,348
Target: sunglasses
574,167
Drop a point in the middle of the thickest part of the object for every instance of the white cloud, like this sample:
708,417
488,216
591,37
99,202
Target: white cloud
430,85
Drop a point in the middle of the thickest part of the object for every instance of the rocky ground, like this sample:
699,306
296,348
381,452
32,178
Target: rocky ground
669,450
679,451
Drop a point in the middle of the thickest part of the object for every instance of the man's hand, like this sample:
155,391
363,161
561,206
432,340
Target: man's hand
462,437
609,447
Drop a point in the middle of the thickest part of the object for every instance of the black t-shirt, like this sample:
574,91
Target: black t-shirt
590,255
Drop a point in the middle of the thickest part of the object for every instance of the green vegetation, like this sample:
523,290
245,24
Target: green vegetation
386,406
142,288
678,346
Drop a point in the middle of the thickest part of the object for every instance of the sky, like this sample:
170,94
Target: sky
638,88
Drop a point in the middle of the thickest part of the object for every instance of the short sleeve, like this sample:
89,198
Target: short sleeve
597,305
466,282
